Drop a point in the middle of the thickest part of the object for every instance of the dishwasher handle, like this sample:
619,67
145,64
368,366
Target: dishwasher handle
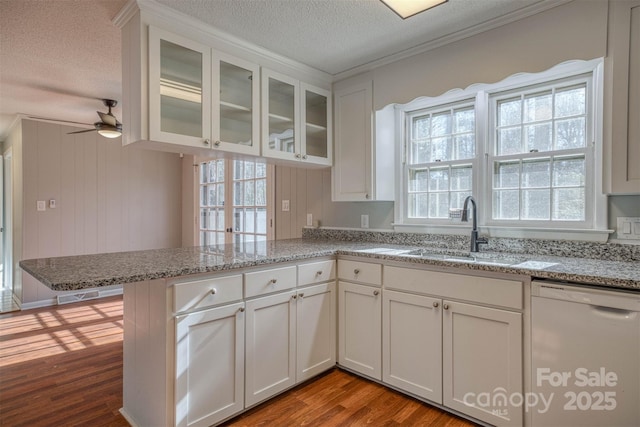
624,301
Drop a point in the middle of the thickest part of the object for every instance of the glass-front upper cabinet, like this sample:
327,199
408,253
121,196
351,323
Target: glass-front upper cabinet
280,116
316,132
179,90
236,104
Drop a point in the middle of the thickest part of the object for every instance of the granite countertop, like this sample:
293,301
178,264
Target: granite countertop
89,271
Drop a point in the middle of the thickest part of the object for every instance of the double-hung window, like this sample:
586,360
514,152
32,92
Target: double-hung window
525,148
540,154
441,149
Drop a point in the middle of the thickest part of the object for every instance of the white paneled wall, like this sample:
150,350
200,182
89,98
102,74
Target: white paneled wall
108,198
309,191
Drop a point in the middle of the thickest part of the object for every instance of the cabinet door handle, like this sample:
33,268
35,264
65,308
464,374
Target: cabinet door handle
356,271
217,143
213,291
376,293
206,142
445,306
435,304
241,309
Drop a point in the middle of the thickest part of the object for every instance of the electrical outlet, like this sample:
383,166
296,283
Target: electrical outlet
309,220
285,206
628,228
364,221
52,203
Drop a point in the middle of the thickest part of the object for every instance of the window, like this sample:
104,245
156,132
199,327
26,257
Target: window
439,168
525,148
539,154
248,217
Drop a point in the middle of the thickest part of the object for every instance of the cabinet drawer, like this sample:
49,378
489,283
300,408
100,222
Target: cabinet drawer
269,281
316,272
365,272
484,290
204,293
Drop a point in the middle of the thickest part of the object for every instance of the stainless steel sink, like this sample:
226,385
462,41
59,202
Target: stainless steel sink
476,258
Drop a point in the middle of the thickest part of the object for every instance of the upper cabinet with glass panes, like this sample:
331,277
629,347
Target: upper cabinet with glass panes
295,120
189,89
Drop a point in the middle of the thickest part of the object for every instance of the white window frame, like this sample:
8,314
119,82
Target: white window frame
594,226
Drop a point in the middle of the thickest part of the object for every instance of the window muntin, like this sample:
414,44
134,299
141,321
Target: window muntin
439,171
539,153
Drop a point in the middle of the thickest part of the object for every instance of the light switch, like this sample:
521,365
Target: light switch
626,228
364,221
41,205
285,206
309,220
636,228
52,203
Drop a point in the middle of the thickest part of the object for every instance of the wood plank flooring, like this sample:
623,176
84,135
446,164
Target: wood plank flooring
62,366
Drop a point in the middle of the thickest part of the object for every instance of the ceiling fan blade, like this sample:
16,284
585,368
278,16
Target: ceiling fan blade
107,118
82,131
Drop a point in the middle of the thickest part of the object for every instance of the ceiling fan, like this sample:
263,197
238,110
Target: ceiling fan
108,126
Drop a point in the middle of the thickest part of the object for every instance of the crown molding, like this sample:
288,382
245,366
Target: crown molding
453,37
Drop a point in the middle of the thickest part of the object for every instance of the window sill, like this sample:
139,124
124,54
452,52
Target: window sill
582,235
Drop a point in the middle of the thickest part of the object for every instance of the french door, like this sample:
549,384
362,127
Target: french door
235,201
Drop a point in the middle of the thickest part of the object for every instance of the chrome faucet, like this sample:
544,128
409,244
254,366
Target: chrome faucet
475,240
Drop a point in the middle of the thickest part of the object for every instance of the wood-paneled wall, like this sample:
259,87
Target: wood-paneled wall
108,198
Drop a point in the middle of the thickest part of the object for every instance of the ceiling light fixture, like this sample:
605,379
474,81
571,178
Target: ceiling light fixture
408,8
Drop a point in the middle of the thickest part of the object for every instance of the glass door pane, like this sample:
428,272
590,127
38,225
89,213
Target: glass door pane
180,90
212,206
249,201
281,116
236,104
316,124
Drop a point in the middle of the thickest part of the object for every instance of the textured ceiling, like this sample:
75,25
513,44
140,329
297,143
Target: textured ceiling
59,57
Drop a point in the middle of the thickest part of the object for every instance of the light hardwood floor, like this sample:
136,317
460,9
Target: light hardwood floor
62,366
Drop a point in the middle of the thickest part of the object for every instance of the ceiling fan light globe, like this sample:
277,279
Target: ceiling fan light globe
109,133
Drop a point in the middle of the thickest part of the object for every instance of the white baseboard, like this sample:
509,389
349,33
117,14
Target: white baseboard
54,301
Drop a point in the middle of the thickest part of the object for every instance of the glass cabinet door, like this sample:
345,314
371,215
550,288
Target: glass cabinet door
316,134
179,89
280,106
236,121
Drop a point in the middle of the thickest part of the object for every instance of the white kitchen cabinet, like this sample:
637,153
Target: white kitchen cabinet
209,382
364,160
295,124
412,344
316,330
359,328
179,90
622,98
270,346
236,105
482,354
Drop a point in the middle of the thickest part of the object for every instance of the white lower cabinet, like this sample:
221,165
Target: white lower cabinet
465,356
270,346
316,330
412,344
359,331
209,384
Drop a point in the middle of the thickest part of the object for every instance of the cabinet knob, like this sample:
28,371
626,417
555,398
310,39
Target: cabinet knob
301,295
304,157
366,196
213,291
356,271
319,273
273,281
435,304
294,296
445,306
297,156
206,142
376,293
217,143
241,309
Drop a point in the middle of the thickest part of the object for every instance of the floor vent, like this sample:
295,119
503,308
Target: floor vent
83,296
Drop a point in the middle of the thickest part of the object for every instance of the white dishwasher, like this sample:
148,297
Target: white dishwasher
585,356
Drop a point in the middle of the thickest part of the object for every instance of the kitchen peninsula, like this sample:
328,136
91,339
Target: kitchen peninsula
212,331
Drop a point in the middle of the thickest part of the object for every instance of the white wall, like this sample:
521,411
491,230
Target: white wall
109,198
